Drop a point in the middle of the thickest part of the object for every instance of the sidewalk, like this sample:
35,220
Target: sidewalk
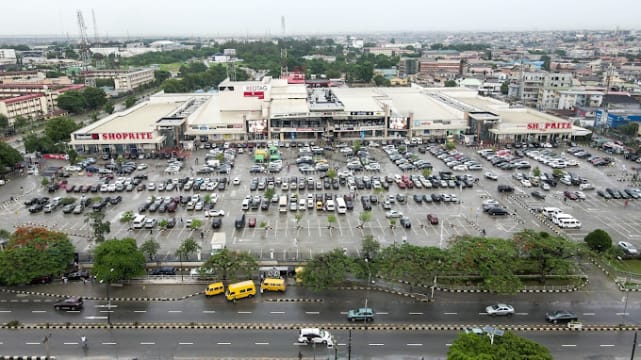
134,290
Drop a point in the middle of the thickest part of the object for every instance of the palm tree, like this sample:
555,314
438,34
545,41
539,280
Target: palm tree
187,247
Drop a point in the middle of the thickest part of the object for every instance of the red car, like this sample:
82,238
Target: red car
433,219
252,222
570,195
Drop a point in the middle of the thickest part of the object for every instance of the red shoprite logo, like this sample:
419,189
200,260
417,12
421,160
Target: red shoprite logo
546,126
127,136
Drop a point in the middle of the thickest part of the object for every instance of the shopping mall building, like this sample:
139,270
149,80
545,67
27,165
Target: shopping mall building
273,109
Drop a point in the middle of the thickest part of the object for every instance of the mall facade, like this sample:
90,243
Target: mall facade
274,109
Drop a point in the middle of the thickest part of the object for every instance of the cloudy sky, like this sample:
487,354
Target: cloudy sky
224,17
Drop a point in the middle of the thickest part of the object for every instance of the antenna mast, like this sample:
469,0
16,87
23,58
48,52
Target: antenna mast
84,47
95,27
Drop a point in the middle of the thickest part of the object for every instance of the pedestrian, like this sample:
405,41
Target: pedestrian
483,232
625,203
151,231
84,281
181,220
64,280
202,235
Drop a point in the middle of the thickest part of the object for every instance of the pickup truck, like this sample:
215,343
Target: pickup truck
361,314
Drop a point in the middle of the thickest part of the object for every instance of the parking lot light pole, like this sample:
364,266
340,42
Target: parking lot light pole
109,297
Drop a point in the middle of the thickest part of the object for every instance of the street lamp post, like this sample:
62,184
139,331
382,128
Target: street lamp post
369,280
109,297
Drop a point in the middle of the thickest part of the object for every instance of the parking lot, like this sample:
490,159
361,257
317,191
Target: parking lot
284,235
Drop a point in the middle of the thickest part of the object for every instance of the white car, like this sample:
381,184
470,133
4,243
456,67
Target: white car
213,198
214,213
142,166
393,214
628,248
500,310
526,183
491,176
236,181
151,186
580,195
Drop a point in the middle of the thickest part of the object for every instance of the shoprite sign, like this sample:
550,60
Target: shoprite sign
127,136
549,126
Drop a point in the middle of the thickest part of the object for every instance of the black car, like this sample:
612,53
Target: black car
36,208
115,199
560,316
216,222
77,275
497,212
165,270
436,198
505,188
406,222
70,303
418,198
537,194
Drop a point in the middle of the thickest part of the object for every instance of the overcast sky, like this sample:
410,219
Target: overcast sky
224,17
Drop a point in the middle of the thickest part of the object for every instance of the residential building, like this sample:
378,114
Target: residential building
28,106
124,80
8,57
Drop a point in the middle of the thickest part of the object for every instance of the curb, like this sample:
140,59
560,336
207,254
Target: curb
618,283
327,326
96,298
523,291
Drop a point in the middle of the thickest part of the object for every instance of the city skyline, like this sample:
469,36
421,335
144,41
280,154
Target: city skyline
252,17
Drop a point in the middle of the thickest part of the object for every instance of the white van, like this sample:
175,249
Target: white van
282,204
139,221
330,205
245,205
569,224
341,208
556,218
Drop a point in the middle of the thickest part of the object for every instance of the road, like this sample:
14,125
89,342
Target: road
219,344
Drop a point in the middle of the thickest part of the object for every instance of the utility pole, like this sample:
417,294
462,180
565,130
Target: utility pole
634,346
349,346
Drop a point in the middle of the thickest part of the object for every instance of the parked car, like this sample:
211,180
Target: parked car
496,211
628,248
433,219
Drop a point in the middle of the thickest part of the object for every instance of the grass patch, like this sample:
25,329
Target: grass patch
628,265
173,67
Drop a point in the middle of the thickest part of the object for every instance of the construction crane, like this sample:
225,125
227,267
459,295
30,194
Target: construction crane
84,47
95,27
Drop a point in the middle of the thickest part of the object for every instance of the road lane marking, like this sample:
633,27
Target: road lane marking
95,317
185,343
140,311
209,311
521,314
276,312
569,345
38,311
606,345
175,311
5,311
32,343
448,344
312,312
621,314
148,343
382,313
588,314
414,344
109,343
261,343
224,343
106,311
244,312
448,313
416,313
73,311
376,344
70,343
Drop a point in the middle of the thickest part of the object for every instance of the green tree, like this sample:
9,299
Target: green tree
598,240
490,258
161,75
412,263
450,83
269,193
109,107
127,216
426,172
229,265
331,173
187,247
9,156
331,220
546,62
370,247
364,217
72,101
196,223
536,171
357,146
380,80
505,87
33,252
326,270
130,101
94,97
99,226
508,346
72,155
629,129
150,249
4,121
121,255
20,122
59,129
163,224
548,254
44,181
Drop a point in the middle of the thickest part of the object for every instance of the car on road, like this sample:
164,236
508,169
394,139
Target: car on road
364,314
393,214
70,303
77,275
560,316
628,248
433,219
315,336
500,310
